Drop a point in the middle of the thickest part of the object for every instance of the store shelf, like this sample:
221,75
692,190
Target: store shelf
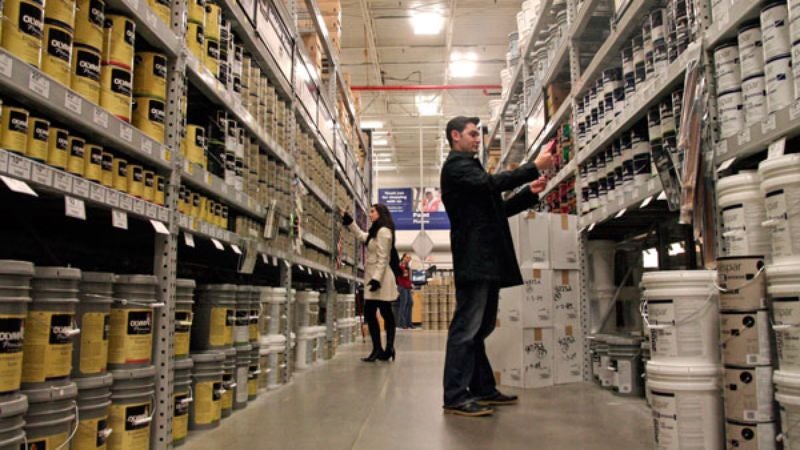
54,101
314,188
49,179
647,96
200,228
552,127
557,62
564,174
757,137
316,242
148,25
347,276
222,96
726,26
265,249
630,201
609,52
300,261
583,17
196,177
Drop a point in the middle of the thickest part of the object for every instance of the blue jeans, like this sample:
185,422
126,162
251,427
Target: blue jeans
403,307
467,372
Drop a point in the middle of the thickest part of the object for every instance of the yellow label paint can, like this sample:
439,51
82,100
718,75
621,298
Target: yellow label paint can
47,350
130,432
11,354
119,36
130,344
197,11
148,193
160,194
62,11
212,56
85,79
14,133
89,20
195,40
135,180
150,74
195,141
196,199
148,116
161,8
57,51
76,151
120,174
93,162
22,29
183,202
107,179
116,90
38,137
213,15
57,147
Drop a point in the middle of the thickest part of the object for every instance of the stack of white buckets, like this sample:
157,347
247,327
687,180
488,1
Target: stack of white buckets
345,318
310,335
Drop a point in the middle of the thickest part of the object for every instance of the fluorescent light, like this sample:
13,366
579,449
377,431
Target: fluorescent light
371,124
427,105
427,23
463,65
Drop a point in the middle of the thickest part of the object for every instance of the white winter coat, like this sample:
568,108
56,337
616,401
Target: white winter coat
377,267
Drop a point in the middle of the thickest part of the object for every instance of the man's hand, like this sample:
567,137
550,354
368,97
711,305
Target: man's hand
538,185
544,160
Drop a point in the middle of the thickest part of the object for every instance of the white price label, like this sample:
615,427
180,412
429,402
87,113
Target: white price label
19,166
6,64
3,161
591,227
80,187
744,136
119,219
224,188
308,269
646,202
42,175
138,207
100,117
621,213
301,267
662,196
151,210
126,202
275,261
768,124
97,193
62,182
18,186
163,214
112,198
722,148
723,18
151,18
264,258
794,111
776,149
236,249
188,239
39,84
239,197
73,102
147,146
159,226
126,133
74,207
726,165
217,244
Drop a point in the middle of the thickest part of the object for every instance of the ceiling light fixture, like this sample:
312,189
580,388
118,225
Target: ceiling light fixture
463,65
427,23
427,105
371,124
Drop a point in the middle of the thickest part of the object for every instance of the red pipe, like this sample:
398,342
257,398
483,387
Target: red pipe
428,87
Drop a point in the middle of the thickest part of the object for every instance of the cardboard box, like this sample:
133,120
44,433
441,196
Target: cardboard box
566,297
538,357
563,239
534,235
504,349
537,297
568,343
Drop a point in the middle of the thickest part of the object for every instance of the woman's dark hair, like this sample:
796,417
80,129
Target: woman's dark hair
384,220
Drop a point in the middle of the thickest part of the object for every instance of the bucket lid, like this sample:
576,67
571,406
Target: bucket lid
679,277
13,405
94,382
229,352
786,379
624,340
786,163
244,348
789,268
150,280
209,356
183,364
57,273
747,178
98,277
185,283
217,287
47,392
14,267
731,43
133,373
683,370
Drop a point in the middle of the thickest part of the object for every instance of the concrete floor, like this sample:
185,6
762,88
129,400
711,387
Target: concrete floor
348,404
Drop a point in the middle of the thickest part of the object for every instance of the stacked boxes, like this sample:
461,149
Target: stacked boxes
439,298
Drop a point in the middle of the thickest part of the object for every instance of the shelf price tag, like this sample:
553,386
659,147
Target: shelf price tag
776,149
138,207
726,165
100,117
126,202
18,186
126,133
150,18
39,84
19,166
768,124
646,202
264,259
218,244
80,187
744,136
236,249
591,227
62,182
74,207
159,226
146,147
119,219
97,193
794,111
73,102
621,213
42,175
6,64
112,198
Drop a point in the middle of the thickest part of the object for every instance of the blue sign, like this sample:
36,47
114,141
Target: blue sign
410,206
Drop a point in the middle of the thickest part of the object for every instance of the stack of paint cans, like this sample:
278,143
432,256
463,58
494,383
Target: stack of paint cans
23,27
59,23
116,75
777,49
87,48
195,32
150,92
212,36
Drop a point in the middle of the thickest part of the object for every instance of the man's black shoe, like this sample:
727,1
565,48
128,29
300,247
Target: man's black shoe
497,399
469,409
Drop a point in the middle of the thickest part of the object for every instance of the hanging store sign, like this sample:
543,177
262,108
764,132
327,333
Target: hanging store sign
410,206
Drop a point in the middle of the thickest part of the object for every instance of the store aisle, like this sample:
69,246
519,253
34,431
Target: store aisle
347,404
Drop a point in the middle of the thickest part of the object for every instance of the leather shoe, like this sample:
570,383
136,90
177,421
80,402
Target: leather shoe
497,398
469,409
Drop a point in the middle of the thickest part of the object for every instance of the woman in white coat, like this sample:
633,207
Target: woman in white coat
380,288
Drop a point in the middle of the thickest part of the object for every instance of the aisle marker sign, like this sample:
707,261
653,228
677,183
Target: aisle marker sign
74,207
159,226
72,102
188,238
217,244
119,219
236,249
18,186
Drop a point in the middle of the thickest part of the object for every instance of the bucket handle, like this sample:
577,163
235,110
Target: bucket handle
106,433
72,433
125,301
733,233
781,436
744,285
770,223
190,398
148,419
186,323
688,318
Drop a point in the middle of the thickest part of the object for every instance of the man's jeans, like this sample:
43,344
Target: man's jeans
402,308
467,372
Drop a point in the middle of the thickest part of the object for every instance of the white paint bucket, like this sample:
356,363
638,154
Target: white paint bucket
731,113
783,287
750,436
745,339
741,202
780,183
796,67
775,29
742,283
751,53
748,393
642,167
682,316
778,80
726,66
754,96
686,405
787,394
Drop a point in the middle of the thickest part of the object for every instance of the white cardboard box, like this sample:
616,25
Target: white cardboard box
504,349
534,236
568,343
537,297
566,297
537,357
563,240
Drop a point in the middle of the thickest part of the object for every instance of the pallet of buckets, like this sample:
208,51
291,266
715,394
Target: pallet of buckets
346,321
312,343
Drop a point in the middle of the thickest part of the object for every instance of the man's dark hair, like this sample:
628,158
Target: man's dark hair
458,124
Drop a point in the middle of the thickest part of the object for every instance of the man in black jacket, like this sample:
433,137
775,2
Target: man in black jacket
484,261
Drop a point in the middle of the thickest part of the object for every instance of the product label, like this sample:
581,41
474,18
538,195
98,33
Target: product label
95,329
59,44
12,332
733,226
131,339
155,112
641,164
130,34
665,420
97,12
121,82
131,429
213,50
226,402
786,311
624,376
748,394
180,417
138,174
91,434
159,66
242,321
183,328
221,327
775,206
77,149
88,64
241,384
47,346
672,339
47,443
17,121
31,19
207,396
253,314
745,339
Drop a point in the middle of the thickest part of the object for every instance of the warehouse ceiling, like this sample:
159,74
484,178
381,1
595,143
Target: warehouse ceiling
380,47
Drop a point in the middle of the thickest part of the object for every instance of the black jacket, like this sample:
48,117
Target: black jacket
480,238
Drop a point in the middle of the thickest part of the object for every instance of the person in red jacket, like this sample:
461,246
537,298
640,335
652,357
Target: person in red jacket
405,301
